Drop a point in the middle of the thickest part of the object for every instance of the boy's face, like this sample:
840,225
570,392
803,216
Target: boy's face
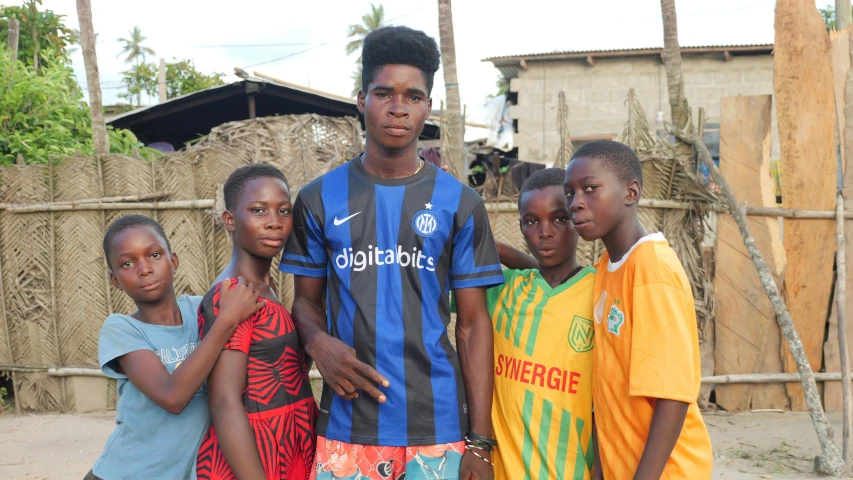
261,220
547,226
395,106
141,264
597,198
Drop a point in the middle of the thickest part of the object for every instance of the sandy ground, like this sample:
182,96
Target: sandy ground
746,445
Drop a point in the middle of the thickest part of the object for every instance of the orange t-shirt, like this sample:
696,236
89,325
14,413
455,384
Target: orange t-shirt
646,347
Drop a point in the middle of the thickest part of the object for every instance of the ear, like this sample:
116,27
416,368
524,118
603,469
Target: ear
228,221
429,104
633,193
174,261
360,99
114,280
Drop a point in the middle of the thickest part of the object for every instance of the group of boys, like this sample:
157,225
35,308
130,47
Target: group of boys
380,242
558,371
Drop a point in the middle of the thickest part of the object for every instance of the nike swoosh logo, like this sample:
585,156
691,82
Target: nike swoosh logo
344,220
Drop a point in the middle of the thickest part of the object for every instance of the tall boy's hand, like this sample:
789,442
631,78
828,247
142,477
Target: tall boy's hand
473,468
342,371
239,303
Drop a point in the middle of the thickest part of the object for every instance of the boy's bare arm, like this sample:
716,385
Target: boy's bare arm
667,422
474,344
173,392
235,436
513,258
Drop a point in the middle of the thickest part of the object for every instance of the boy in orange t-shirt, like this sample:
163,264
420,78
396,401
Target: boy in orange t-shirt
646,373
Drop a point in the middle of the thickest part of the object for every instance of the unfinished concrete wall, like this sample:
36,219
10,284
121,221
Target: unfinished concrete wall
596,95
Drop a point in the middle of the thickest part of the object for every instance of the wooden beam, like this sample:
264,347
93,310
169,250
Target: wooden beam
727,55
176,205
125,198
590,61
769,378
523,64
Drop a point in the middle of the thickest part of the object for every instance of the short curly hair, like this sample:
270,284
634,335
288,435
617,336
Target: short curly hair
616,157
399,46
238,179
548,177
127,222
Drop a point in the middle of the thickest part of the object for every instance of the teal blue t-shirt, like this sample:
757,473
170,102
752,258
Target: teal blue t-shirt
150,442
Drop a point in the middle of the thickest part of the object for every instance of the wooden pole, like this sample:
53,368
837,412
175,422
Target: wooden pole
830,462
161,80
841,299
14,32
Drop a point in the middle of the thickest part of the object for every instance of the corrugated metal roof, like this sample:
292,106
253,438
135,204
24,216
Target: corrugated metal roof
630,52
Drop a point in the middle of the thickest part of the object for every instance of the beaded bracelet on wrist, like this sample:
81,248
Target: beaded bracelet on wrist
471,449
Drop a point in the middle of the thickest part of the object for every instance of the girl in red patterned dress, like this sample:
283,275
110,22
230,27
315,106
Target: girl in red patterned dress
260,398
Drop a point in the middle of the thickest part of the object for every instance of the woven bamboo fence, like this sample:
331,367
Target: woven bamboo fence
54,290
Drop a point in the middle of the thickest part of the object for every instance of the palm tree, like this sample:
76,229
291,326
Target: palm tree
87,41
133,47
369,22
452,126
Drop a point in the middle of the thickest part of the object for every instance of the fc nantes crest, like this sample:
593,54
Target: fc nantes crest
580,334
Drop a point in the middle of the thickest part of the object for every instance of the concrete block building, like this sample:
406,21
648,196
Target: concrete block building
596,84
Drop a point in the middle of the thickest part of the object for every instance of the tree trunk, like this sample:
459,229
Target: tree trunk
680,110
830,461
455,154
843,14
34,32
14,32
90,59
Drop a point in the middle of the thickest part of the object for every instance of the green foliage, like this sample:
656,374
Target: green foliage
138,79
828,15
182,77
42,113
51,35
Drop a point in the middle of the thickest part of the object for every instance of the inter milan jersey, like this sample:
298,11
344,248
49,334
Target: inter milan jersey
391,250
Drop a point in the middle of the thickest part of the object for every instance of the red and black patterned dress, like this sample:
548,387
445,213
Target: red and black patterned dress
277,396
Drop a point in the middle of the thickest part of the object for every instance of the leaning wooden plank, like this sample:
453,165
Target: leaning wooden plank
806,118
832,398
747,346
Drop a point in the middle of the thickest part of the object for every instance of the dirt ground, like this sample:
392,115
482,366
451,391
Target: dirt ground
746,445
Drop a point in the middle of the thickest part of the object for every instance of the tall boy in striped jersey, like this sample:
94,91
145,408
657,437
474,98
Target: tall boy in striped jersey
378,245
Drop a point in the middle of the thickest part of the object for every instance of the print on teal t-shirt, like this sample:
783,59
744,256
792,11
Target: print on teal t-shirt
422,467
150,442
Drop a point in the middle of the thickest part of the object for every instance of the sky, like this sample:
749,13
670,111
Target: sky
303,42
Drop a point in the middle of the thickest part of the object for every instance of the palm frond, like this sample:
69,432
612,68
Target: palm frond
357,30
354,46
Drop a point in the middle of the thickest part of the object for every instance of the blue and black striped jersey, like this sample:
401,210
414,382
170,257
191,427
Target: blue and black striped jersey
391,250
